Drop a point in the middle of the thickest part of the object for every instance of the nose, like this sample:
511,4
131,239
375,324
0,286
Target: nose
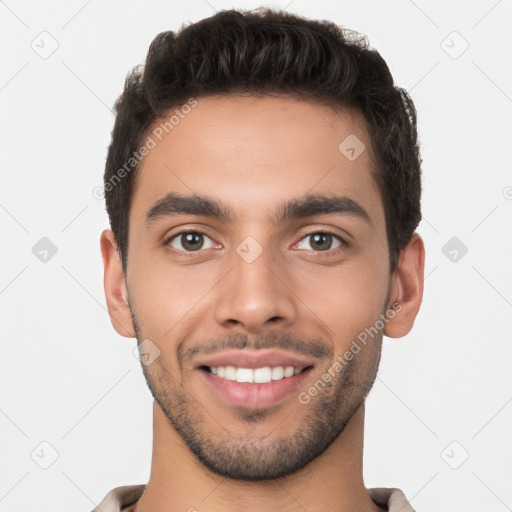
255,296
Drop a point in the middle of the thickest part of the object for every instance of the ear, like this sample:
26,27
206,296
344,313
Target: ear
407,288
116,292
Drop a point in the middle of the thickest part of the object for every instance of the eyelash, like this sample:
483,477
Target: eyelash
343,245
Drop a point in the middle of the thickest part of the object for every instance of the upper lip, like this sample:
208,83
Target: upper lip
247,358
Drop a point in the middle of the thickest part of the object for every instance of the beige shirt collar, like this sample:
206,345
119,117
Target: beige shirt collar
121,497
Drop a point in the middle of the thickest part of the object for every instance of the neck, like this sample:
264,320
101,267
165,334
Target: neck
332,481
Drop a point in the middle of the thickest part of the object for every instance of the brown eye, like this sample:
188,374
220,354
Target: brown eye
322,241
190,241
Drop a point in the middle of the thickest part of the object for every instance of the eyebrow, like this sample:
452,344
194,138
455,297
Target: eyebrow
308,205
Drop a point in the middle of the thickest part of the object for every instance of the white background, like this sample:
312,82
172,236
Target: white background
67,378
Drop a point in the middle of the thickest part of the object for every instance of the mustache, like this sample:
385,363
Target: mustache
308,346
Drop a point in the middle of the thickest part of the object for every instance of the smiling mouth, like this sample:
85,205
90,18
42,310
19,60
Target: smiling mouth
259,387
262,375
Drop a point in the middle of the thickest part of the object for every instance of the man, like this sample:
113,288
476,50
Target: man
263,188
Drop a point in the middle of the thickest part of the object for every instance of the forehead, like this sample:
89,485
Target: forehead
253,152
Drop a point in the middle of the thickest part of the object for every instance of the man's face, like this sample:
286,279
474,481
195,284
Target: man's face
293,293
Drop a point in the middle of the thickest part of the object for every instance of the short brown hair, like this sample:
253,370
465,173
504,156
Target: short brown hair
261,52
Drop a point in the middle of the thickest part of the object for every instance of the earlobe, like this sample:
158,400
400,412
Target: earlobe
407,288
114,283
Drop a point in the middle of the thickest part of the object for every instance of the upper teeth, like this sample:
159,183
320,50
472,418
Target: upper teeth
258,375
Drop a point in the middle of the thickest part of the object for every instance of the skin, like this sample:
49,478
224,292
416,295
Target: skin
252,154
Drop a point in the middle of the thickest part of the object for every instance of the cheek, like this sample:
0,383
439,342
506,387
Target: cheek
166,297
348,298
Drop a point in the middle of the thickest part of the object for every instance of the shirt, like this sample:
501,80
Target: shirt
118,499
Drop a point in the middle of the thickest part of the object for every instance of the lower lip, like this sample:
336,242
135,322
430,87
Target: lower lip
245,394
